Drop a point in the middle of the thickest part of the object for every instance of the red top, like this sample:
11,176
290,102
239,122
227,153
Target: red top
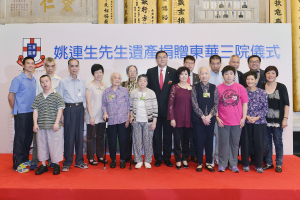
180,106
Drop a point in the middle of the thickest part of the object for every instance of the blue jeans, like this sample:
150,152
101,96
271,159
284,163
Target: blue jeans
276,133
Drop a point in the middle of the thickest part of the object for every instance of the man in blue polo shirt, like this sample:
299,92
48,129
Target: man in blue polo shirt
20,98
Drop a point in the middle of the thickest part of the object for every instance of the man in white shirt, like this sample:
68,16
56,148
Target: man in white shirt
189,62
50,68
216,78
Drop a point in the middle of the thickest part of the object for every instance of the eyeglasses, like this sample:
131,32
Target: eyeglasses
162,57
254,62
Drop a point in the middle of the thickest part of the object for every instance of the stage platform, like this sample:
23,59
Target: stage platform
156,183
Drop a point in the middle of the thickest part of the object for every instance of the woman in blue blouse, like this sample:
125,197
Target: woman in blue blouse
256,124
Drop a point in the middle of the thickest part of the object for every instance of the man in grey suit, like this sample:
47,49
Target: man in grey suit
189,62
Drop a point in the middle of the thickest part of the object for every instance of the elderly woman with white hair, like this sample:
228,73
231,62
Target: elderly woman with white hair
116,108
205,100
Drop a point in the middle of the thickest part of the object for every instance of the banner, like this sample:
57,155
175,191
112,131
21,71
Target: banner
117,46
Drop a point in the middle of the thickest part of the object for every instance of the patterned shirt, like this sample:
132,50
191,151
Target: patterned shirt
116,104
130,85
195,104
257,105
47,109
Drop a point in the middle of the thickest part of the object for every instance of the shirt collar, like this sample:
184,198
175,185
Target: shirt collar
55,77
164,68
54,91
70,78
24,76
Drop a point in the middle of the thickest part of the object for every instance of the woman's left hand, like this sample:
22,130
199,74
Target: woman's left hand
153,126
284,123
126,123
242,123
173,123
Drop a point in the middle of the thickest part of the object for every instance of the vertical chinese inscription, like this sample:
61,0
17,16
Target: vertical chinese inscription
295,8
181,11
139,12
164,11
106,12
277,11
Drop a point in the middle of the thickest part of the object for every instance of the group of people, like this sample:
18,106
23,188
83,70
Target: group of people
220,110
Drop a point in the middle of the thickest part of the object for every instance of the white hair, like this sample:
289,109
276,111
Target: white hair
114,74
202,68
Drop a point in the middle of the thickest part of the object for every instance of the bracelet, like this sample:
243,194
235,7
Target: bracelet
285,117
217,116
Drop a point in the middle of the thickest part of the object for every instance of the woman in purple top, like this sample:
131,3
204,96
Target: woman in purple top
256,124
116,108
179,112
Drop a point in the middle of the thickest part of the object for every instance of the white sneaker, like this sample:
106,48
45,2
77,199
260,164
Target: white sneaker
147,165
139,165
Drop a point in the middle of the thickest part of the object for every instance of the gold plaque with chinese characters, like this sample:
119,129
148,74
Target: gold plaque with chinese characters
106,11
181,11
277,11
164,11
139,12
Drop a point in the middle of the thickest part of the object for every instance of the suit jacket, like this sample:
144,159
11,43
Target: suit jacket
242,79
195,78
262,79
162,95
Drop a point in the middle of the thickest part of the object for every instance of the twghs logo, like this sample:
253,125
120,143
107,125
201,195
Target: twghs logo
32,48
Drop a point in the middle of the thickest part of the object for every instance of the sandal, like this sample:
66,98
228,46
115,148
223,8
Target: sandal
93,162
82,166
65,168
102,161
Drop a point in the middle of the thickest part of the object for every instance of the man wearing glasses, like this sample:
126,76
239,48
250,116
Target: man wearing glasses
254,66
160,79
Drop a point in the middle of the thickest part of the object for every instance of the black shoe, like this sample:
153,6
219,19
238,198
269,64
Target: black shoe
178,167
41,170
168,163
93,162
157,163
185,166
102,161
134,163
113,164
193,158
56,170
210,168
122,164
199,168
278,169
265,167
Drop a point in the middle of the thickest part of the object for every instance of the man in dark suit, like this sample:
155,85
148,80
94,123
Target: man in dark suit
254,66
160,79
239,76
189,62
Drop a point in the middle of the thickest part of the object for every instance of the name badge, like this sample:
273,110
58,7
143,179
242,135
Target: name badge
111,96
79,94
206,95
142,98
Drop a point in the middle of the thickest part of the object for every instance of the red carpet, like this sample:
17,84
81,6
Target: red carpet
156,183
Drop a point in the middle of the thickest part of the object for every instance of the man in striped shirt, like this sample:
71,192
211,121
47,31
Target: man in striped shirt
48,107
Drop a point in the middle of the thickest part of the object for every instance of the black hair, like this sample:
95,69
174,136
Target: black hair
253,56
27,58
215,57
97,67
159,53
189,57
271,68
228,68
182,69
142,76
45,75
250,73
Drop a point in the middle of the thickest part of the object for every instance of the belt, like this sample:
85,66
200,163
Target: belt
73,104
